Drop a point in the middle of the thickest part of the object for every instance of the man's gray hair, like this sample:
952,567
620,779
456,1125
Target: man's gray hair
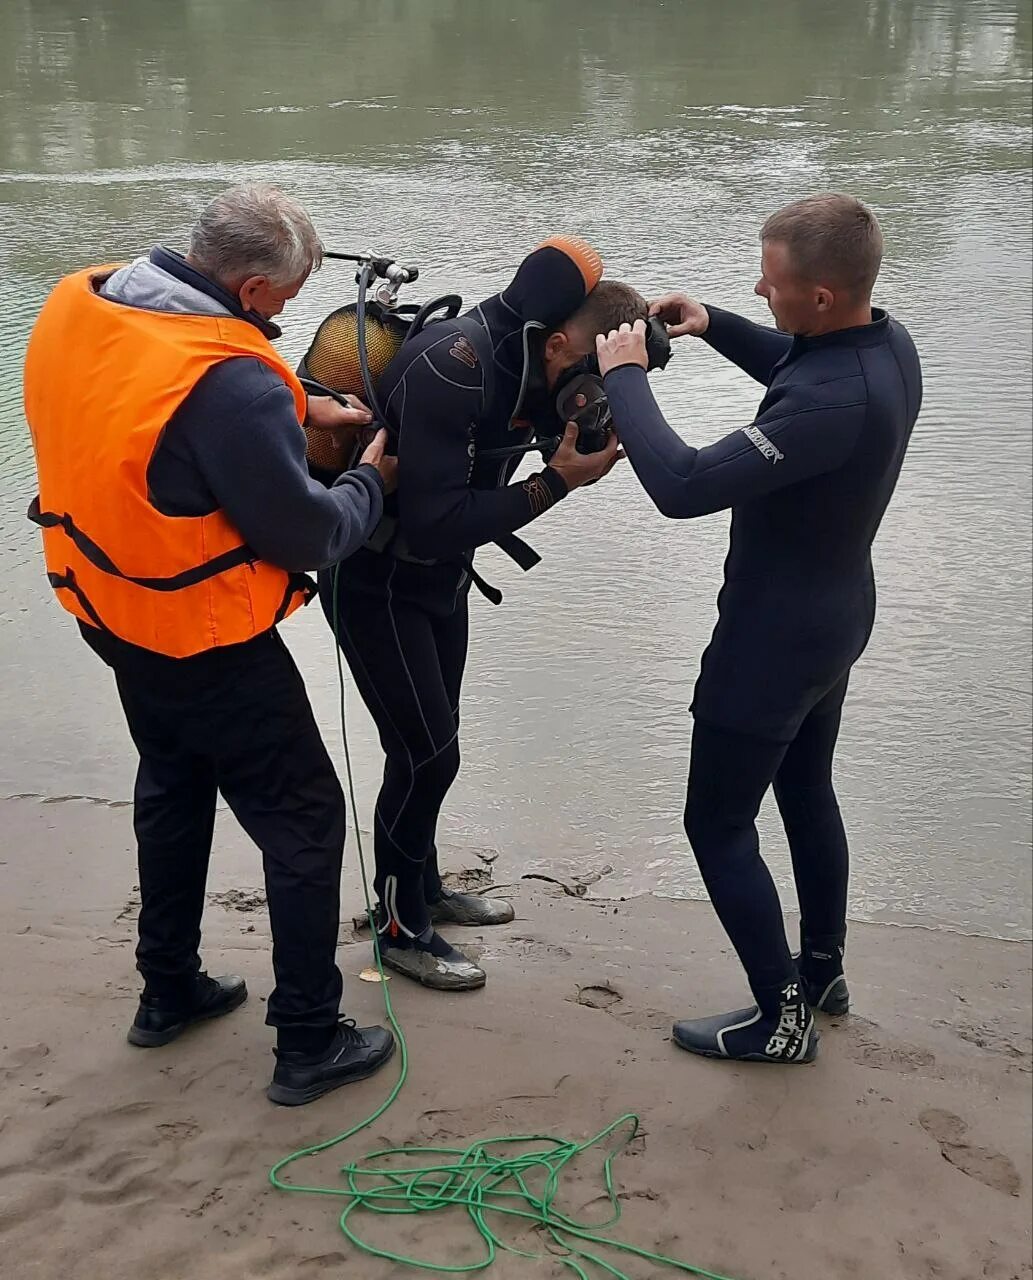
255,230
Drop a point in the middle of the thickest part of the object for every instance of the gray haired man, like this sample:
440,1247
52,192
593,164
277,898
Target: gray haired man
178,540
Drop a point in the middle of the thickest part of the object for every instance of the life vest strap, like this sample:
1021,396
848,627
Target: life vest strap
66,582
99,558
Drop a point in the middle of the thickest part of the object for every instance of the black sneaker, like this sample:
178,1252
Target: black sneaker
785,1035
156,1024
354,1053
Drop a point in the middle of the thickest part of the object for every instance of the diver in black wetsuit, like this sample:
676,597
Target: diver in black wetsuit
808,482
455,391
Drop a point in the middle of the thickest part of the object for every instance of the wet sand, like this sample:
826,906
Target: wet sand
904,1152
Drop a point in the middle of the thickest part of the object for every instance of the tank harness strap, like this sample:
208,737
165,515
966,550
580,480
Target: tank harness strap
490,593
518,550
388,537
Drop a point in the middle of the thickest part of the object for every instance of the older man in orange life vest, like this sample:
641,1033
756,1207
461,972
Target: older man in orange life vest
178,517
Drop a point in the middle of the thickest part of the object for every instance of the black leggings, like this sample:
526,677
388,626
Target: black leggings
729,774
407,663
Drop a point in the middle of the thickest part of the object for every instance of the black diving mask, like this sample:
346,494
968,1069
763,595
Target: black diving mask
582,400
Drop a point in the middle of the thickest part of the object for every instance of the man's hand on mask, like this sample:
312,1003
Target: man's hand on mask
328,415
626,345
682,315
578,469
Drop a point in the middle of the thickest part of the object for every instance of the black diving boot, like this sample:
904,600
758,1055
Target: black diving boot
430,961
469,909
779,1028
423,956
353,1054
821,972
156,1022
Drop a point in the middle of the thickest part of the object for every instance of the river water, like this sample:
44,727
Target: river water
457,134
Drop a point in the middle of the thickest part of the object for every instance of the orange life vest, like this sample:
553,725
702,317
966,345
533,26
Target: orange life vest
102,381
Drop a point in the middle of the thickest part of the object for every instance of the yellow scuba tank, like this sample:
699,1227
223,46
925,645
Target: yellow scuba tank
332,360
354,345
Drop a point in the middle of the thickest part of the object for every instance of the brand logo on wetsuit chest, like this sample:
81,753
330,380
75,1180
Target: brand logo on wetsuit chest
462,350
766,446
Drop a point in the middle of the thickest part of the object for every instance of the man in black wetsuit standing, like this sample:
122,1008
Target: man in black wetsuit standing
808,482
457,393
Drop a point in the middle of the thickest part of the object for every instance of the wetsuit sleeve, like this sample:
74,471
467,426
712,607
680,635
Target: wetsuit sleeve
755,348
240,429
435,408
792,440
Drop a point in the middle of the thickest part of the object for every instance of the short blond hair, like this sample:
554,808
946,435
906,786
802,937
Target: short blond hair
831,238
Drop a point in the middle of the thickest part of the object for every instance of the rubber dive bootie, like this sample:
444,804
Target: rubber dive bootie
786,1034
353,1054
434,963
820,962
470,909
156,1023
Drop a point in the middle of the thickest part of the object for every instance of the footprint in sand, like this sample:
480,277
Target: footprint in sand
21,1062
992,1038
177,1130
536,947
609,999
602,996
870,1049
992,1168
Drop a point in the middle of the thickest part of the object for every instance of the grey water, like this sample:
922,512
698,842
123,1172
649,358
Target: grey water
456,134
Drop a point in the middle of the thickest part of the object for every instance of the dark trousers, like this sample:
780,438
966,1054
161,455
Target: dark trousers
729,774
407,662
237,721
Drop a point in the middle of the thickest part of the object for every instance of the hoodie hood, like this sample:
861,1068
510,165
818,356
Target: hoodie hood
165,281
549,285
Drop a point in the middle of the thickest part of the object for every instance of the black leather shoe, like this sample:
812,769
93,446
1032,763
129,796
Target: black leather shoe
354,1053
156,1024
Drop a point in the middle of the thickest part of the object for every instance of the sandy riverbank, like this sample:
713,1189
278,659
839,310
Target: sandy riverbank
905,1152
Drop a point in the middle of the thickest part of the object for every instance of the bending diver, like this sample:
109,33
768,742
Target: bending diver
459,390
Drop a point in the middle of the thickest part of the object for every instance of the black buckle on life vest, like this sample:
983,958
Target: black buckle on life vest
298,582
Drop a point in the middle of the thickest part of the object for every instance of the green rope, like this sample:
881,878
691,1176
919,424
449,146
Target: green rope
488,1179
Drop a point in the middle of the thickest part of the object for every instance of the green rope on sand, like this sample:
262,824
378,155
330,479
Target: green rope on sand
490,1179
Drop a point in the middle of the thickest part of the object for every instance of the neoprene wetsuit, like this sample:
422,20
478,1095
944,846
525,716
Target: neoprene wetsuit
402,601
808,482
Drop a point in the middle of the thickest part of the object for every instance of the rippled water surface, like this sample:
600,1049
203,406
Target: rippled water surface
456,134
